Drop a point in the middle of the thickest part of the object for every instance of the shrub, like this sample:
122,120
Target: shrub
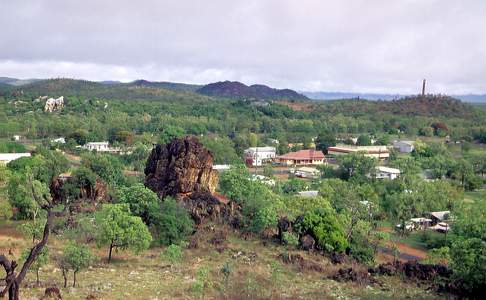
172,222
290,239
6,212
324,226
202,282
468,262
361,250
143,201
172,254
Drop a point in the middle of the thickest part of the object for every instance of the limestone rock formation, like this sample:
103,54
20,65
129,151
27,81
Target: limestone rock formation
54,104
180,167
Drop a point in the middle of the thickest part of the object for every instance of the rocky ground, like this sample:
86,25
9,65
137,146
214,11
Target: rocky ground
256,269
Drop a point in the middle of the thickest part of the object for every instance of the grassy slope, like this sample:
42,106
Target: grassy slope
256,273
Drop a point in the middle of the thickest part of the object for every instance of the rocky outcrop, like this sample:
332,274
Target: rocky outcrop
54,104
283,225
412,270
205,206
180,167
95,194
183,169
307,242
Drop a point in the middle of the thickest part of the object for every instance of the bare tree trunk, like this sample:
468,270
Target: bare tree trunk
64,275
37,275
74,279
12,280
111,249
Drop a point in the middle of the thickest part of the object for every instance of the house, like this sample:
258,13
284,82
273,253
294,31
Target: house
307,172
16,137
257,156
5,158
439,216
302,157
404,146
263,179
379,152
98,146
387,173
308,194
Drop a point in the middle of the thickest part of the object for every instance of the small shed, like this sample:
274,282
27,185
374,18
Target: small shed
439,216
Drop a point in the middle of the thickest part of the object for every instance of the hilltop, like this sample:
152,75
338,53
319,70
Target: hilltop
135,91
428,106
238,90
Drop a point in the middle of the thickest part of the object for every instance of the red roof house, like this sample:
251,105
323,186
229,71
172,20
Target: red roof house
302,157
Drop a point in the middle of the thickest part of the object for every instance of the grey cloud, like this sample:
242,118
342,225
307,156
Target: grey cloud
349,45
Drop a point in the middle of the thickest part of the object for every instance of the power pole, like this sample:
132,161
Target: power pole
423,87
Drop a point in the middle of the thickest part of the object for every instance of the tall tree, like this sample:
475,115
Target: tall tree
325,140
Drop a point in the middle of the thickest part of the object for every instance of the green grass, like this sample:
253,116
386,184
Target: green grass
475,198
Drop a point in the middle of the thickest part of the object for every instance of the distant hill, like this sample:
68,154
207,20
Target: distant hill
344,95
238,90
16,82
175,86
376,96
121,91
429,106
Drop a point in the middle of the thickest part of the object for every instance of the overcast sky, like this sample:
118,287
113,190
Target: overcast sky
312,45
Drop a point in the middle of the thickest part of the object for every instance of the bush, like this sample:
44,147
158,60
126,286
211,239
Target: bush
294,185
289,239
361,250
468,262
324,226
172,222
6,212
143,201
172,254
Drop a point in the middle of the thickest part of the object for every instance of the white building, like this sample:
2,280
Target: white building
307,172
404,146
16,137
98,146
379,152
256,156
5,158
387,173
